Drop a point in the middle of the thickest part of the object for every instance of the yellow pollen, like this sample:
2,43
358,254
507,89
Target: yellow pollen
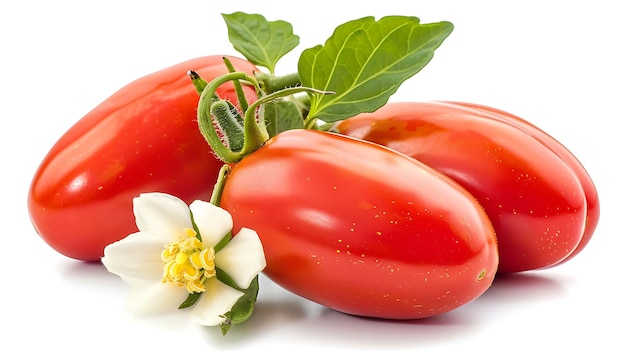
187,263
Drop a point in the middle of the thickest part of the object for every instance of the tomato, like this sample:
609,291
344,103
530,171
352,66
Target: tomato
591,193
143,138
361,228
541,202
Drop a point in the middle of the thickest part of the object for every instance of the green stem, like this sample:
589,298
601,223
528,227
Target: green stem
255,132
216,196
205,122
241,96
310,122
327,127
230,123
208,129
271,83
197,81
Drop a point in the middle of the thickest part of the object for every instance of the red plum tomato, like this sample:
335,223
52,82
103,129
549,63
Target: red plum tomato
143,138
540,200
591,193
361,228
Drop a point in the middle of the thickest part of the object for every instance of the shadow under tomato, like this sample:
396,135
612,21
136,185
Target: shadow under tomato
85,273
526,286
346,330
314,324
508,292
511,293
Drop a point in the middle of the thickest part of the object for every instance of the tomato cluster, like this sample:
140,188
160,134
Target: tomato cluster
406,212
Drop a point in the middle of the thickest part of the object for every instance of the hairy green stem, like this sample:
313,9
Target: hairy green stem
271,83
207,127
230,123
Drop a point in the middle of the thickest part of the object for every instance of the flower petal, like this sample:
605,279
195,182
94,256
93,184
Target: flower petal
136,257
243,258
162,214
213,222
218,299
156,297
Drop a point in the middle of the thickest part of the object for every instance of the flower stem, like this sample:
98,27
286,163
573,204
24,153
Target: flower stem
216,196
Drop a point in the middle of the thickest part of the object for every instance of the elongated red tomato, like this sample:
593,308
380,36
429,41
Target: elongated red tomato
142,138
591,193
526,183
361,228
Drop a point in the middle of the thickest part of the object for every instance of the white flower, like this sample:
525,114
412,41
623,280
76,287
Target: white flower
165,261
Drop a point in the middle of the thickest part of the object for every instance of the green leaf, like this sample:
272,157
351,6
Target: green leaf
244,307
262,42
365,61
223,241
225,326
191,299
282,115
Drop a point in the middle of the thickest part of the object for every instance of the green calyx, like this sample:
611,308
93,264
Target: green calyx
228,133
234,131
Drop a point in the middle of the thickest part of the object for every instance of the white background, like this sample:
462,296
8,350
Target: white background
558,64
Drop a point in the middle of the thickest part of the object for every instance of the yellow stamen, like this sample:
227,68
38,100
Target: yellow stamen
207,258
187,263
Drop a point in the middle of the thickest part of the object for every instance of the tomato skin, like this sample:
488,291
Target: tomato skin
143,138
360,228
591,193
534,198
